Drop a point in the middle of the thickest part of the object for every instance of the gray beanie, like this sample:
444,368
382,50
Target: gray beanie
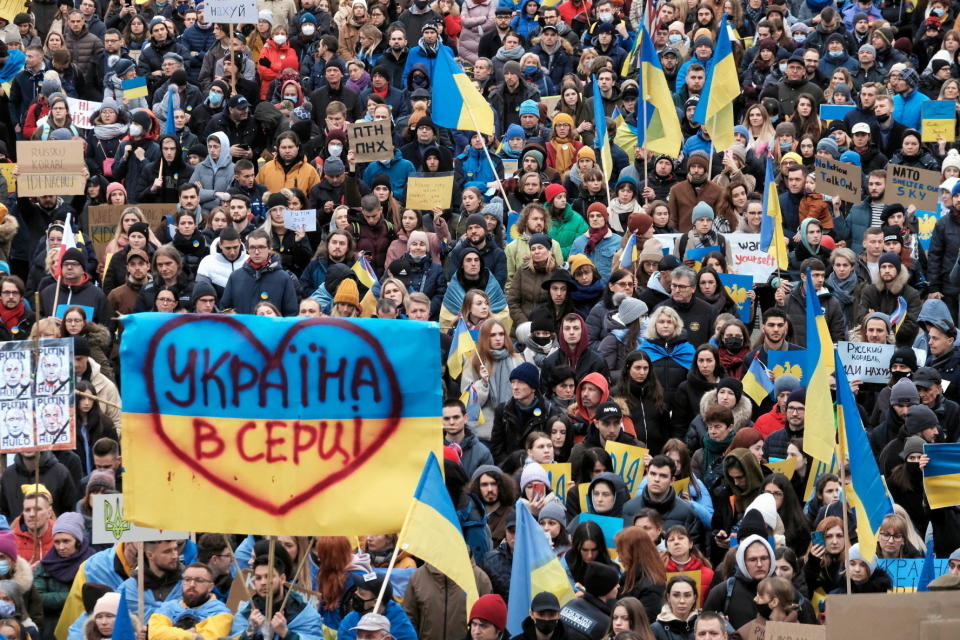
49,87
485,468
555,511
71,523
784,383
830,146
904,391
920,417
630,309
913,444
955,555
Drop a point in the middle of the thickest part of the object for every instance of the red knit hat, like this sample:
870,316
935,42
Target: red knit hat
491,608
639,223
553,190
602,208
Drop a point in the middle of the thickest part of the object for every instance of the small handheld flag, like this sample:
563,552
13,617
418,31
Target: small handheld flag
628,257
463,106
135,88
461,347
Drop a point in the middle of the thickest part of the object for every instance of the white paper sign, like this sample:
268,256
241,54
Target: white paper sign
868,362
81,111
110,526
303,220
231,11
747,257
668,241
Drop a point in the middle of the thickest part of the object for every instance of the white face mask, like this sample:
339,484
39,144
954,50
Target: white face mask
308,29
136,130
334,149
280,39
291,98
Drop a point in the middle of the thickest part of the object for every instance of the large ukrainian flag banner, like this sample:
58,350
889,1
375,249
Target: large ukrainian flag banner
459,104
941,476
276,425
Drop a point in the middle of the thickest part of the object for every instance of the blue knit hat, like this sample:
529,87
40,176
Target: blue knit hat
852,157
529,108
956,190
830,146
528,373
514,131
702,210
742,130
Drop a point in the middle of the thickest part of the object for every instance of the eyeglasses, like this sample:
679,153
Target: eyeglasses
890,536
796,409
775,494
251,249
674,285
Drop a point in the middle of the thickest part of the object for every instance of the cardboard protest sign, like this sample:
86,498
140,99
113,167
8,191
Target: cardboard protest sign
303,425
102,221
51,167
926,221
843,180
559,474
905,572
37,402
793,363
428,192
371,141
6,169
81,112
869,362
550,102
794,631
583,489
627,463
110,526
835,111
679,486
303,220
698,255
510,167
910,186
938,120
749,258
231,11
887,616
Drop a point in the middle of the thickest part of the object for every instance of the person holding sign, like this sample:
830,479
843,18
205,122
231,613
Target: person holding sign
211,618
295,617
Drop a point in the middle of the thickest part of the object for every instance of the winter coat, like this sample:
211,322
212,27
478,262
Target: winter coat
602,254
198,41
944,246
214,175
476,18
565,229
437,606
301,175
697,316
248,286
796,310
684,197
518,251
512,424
84,48
493,257
667,371
489,394
279,58
673,510
882,297
53,475
688,397
526,291
132,171
423,275
698,428
33,601
670,627
398,169
86,294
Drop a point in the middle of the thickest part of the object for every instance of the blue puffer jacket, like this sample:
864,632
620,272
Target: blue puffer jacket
423,275
399,170
198,41
471,169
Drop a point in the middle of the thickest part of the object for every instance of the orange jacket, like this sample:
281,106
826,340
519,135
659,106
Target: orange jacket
27,543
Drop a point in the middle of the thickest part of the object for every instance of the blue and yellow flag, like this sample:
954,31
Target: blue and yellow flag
170,127
432,531
699,254
756,383
771,224
365,273
738,287
601,140
276,426
461,347
715,109
658,126
462,105
471,400
135,88
899,314
941,476
820,433
793,363
628,255
867,493
536,568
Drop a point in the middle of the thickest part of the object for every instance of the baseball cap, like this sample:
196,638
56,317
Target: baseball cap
420,93
860,127
926,377
138,253
238,101
550,27
544,601
609,410
373,622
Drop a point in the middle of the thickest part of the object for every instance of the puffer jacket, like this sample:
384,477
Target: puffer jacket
436,605
214,175
84,47
248,286
197,40
280,58
526,290
476,18
301,175
566,228
423,275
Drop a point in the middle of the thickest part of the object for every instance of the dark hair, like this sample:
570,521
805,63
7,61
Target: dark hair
242,165
209,545
661,460
16,281
590,458
454,402
791,511
814,264
718,413
106,447
615,275
650,389
588,531
288,135
186,186
200,565
652,515
506,487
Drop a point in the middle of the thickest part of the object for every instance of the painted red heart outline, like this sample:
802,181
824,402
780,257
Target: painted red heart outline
270,360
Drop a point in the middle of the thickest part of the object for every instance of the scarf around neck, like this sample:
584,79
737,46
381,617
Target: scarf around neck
842,289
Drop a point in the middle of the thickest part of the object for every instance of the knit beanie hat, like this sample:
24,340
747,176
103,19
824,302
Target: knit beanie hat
528,373
890,258
855,554
639,223
101,481
476,219
904,391
830,146
73,254
600,579
71,523
555,511
578,260
630,308
536,154
798,395
512,66
702,210
733,385
108,603
8,545
919,418
786,129
911,77
602,208
348,293
527,107
913,444
698,158
952,160
277,200
420,236
553,190
905,356
542,239
492,609
541,320
533,472
784,383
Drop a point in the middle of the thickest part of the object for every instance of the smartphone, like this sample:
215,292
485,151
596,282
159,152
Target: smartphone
817,538
539,489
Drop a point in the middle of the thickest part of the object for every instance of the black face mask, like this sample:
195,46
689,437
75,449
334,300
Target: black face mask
884,118
913,470
733,344
542,341
764,610
546,627
359,605
897,376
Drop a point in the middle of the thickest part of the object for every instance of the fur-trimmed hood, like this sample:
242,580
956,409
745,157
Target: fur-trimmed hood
896,287
741,412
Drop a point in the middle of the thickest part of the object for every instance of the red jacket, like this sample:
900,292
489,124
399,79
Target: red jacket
280,58
26,543
771,421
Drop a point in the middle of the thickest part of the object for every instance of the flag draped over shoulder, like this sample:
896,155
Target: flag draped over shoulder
868,494
432,531
459,104
819,436
536,568
715,109
658,127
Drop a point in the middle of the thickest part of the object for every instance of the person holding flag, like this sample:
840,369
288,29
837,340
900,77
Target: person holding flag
715,109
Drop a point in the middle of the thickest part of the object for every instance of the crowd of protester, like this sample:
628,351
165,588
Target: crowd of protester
242,124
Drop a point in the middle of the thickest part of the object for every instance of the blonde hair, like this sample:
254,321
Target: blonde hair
650,333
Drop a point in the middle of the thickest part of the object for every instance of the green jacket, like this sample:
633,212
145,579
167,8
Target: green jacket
569,227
